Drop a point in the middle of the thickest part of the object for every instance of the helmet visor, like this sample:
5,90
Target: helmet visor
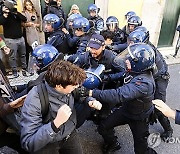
33,65
112,26
121,58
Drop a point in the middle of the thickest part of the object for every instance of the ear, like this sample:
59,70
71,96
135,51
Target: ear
58,87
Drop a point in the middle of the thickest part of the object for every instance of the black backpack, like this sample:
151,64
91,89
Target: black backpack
44,100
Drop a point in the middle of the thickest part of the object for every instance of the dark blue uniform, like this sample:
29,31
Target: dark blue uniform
59,41
83,41
98,23
119,41
136,97
177,118
73,42
161,81
86,61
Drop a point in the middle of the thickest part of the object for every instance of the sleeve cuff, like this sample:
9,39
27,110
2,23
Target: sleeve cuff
55,129
177,117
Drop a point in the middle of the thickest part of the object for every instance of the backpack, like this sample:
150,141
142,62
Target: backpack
44,100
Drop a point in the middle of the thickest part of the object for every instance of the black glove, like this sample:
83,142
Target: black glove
80,92
106,78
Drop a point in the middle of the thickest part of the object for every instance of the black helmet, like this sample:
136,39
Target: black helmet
112,22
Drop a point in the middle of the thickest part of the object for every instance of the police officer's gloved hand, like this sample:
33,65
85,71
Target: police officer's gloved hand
106,78
80,92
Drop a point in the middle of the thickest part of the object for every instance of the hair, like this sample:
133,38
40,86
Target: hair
24,6
64,73
107,34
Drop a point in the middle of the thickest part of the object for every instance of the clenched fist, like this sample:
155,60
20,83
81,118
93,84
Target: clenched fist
95,104
63,115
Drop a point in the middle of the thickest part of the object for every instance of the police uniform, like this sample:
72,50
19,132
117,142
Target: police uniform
161,81
119,40
73,42
82,43
136,97
59,41
98,23
86,61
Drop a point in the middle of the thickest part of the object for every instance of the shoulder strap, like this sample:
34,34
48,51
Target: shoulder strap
43,95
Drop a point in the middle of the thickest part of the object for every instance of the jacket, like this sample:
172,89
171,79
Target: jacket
35,134
59,41
12,25
135,96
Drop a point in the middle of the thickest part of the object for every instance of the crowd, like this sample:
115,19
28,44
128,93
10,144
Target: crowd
88,70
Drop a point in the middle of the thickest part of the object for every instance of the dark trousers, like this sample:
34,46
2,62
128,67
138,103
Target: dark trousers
83,112
160,93
139,129
71,146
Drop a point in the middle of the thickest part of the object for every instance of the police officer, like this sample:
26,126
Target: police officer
98,22
53,25
82,30
72,39
129,14
97,55
119,40
132,23
161,77
136,98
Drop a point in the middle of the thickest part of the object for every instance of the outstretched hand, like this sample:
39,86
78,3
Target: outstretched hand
165,109
18,102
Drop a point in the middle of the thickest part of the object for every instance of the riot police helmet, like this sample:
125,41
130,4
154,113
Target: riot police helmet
143,29
137,37
134,20
81,24
93,8
53,20
141,57
71,19
44,55
129,14
93,79
112,23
